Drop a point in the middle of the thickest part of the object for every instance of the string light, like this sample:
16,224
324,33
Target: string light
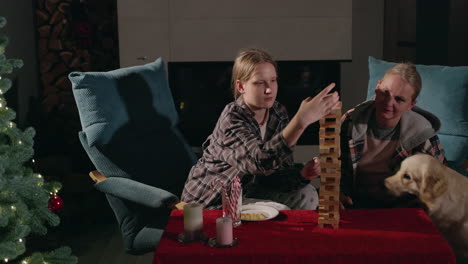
24,262
39,176
20,142
11,124
6,260
20,240
13,208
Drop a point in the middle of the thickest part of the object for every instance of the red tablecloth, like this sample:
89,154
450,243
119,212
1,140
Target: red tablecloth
365,236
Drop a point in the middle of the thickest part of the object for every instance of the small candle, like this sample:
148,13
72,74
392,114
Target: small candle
193,217
224,231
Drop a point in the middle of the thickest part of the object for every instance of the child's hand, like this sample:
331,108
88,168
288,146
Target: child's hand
312,109
311,170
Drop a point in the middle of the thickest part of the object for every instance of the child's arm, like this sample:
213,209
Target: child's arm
310,111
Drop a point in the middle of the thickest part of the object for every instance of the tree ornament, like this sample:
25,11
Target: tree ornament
55,203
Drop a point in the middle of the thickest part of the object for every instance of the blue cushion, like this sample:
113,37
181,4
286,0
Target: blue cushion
128,117
101,98
445,94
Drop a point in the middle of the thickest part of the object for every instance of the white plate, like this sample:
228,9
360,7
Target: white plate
268,211
277,206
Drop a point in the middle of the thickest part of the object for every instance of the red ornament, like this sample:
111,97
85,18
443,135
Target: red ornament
55,203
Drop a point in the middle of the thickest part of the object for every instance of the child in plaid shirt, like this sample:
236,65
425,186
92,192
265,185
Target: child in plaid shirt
254,139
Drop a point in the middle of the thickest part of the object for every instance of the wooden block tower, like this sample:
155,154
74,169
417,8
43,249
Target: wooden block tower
329,198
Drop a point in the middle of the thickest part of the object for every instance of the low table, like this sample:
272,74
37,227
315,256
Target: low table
365,236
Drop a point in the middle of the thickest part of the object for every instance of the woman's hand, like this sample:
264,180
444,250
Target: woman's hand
345,201
312,109
311,170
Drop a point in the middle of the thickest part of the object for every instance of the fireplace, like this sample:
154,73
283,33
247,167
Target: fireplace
202,89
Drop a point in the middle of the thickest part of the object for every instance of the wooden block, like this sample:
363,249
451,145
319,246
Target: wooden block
324,220
336,166
330,146
328,202
330,125
323,225
328,208
334,181
330,216
330,120
331,136
328,134
326,141
324,183
325,129
329,178
332,154
325,159
335,116
329,188
323,150
333,170
329,193
334,225
328,197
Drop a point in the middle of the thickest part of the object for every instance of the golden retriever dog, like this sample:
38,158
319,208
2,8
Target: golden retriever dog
443,191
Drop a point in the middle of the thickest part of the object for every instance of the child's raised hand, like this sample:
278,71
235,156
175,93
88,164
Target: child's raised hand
312,109
311,170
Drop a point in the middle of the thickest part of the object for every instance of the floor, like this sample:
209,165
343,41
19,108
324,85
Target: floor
89,227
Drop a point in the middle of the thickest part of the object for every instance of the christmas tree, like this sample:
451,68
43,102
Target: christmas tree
26,201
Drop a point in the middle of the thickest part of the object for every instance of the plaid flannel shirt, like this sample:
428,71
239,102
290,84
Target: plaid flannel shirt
236,148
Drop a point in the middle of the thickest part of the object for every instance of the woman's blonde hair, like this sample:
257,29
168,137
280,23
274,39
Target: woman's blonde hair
245,64
407,71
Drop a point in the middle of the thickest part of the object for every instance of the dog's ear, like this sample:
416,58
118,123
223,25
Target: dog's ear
433,187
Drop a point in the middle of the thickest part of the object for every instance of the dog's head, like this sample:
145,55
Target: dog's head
421,175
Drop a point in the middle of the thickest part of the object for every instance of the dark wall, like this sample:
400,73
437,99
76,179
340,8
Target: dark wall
21,32
426,31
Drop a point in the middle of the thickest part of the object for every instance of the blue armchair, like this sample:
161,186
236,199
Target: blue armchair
129,132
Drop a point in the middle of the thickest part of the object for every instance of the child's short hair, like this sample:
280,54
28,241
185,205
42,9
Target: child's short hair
407,71
245,65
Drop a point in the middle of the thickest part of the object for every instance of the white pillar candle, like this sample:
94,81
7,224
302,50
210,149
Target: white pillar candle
193,217
224,231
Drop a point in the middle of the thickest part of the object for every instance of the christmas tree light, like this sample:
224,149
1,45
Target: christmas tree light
25,199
